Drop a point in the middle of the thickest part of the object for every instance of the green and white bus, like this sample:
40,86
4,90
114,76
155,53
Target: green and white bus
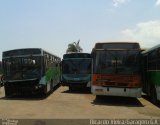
30,71
76,70
151,73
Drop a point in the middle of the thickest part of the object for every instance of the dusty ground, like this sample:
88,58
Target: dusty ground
62,104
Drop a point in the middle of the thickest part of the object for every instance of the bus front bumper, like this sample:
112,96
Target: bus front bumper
112,91
77,84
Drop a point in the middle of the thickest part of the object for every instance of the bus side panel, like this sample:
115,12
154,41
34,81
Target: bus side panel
154,81
154,77
50,74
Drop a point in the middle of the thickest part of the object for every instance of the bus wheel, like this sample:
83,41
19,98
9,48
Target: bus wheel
44,91
99,97
7,91
154,95
71,88
52,86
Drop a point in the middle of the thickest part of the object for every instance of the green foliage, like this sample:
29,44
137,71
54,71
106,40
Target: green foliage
74,47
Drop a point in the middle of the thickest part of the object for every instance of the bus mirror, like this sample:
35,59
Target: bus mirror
33,62
31,56
143,50
56,64
1,81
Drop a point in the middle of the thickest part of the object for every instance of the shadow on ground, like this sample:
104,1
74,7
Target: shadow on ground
31,97
78,91
117,101
146,97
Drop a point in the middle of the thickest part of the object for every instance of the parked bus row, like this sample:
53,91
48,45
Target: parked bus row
112,68
124,69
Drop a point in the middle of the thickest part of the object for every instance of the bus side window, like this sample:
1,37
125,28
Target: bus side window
46,63
152,61
158,59
56,64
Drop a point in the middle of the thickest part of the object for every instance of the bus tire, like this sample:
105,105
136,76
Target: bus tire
154,95
71,88
44,91
2,81
52,86
99,97
7,92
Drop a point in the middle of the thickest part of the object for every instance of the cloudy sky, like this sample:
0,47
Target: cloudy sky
53,24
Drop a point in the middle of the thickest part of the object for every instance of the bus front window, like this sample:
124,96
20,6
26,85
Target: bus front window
77,66
117,62
31,67
21,68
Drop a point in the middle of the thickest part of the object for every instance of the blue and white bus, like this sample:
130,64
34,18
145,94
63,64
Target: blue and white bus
76,70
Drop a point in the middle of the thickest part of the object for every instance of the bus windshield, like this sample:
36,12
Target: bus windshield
21,68
117,62
77,66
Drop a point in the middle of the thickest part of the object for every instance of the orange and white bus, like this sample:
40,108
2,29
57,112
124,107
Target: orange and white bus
116,69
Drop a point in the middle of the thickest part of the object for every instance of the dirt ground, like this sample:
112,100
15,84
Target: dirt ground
63,104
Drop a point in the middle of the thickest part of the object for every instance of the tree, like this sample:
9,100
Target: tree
74,47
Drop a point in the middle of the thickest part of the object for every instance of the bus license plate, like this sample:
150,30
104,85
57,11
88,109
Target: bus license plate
76,78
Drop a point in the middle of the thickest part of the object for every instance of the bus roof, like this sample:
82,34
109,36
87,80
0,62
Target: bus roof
25,51
151,49
117,45
76,55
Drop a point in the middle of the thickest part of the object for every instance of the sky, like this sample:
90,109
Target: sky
53,24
